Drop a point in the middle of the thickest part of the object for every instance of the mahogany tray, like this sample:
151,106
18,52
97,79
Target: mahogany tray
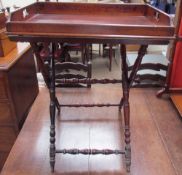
90,20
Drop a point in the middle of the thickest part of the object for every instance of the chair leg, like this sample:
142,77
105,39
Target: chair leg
126,107
110,57
91,51
87,53
83,53
103,49
99,49
89,73
52,149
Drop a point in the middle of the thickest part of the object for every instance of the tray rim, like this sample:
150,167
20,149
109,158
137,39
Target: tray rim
170,27
102,4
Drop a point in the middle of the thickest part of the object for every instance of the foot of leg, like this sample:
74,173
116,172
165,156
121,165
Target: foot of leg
52,147
128,157
162,91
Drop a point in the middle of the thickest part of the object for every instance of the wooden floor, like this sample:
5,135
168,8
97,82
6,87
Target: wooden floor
177,101
155,133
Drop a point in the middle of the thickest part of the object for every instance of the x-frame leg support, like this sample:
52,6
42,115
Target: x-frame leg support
141,53
126,84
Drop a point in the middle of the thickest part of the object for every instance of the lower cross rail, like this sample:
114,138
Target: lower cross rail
88,81
89,151
88,105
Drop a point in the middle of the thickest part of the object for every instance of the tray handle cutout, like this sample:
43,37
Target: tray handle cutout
25,13
157,16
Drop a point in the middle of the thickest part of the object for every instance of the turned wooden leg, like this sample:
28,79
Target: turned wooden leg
126,107
52,111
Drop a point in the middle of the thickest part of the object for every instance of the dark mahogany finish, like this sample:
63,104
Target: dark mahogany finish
79,20
89,151
91,23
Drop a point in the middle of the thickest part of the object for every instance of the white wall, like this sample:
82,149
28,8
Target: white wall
20,3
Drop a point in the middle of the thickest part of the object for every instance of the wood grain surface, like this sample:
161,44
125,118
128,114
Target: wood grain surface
152,152
87,20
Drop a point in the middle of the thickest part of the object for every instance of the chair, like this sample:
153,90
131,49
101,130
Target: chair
64,68
70,70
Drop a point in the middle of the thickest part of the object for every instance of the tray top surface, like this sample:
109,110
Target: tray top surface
93,19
